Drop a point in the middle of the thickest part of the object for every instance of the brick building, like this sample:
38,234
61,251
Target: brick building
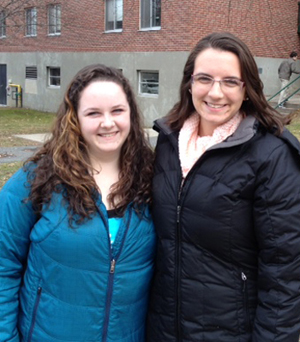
44,43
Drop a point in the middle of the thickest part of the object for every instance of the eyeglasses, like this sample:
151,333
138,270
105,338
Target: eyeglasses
227,84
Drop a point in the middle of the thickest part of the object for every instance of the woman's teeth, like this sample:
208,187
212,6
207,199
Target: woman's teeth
107,135
214,106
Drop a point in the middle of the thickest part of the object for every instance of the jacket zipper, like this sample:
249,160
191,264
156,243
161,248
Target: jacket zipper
177,262
245,298
113,261
178,248
184,181
108,298
36,304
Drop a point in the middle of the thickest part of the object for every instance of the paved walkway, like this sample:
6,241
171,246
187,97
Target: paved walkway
16,154
21,153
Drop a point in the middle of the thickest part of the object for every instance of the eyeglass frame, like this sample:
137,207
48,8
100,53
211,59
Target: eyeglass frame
242,83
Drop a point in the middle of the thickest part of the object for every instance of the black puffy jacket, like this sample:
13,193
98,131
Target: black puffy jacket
228,259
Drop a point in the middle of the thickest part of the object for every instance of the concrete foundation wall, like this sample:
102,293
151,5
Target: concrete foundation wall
37,95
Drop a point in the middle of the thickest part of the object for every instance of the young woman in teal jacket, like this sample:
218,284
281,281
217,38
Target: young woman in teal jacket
76,237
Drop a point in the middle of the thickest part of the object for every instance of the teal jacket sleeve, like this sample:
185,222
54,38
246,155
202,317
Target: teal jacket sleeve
17,218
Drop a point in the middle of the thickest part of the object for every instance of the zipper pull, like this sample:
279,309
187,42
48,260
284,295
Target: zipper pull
244,279
180,188
178,212
112,266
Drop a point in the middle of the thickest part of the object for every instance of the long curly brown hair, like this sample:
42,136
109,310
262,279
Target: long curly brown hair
62,164
256,103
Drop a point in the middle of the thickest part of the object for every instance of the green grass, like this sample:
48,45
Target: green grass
295,126
22,121
7,170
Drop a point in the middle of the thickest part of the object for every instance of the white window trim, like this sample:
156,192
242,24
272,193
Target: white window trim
117,30
52,86
54,6
149,28
113,31
31,24
2,24
155,28
139,83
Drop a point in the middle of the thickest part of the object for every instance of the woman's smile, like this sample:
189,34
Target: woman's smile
108,135
215,106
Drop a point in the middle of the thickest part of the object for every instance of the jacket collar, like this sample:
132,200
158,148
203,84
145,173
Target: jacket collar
245,131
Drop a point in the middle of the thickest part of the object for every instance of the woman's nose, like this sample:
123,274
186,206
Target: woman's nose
107,121
216,89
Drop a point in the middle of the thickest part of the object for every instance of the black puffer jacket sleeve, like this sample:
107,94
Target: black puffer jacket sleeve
277,227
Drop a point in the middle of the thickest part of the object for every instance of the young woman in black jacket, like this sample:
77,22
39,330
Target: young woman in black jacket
226,196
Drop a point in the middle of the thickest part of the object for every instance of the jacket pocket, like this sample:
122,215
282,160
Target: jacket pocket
34,312
246,301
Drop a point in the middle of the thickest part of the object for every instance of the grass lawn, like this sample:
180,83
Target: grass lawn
22,121
295,126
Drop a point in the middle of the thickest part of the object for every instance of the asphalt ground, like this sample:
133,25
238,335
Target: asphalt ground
16,154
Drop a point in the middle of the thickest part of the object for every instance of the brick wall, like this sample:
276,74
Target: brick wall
269,27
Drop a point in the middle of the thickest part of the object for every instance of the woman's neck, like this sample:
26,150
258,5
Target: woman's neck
106,173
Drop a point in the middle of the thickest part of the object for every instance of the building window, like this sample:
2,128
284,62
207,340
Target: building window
31,22
53,76
150,14
298,17
31,72
2,24
114,15
148,82
54,19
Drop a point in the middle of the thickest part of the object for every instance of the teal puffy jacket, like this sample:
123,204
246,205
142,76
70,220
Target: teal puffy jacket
67,284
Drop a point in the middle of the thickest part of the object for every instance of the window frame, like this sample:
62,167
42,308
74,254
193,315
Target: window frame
51,77
298,31
148,83
31,22
2,24
150,25
114,4
54,14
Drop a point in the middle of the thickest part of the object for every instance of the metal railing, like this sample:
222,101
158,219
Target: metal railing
288,97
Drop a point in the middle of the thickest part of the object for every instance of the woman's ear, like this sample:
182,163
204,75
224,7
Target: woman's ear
190,91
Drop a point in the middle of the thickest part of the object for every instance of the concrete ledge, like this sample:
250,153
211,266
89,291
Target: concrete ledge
34,137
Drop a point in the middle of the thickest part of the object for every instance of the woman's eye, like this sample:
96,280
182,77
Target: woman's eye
118,110
203,79
92,114
231,83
